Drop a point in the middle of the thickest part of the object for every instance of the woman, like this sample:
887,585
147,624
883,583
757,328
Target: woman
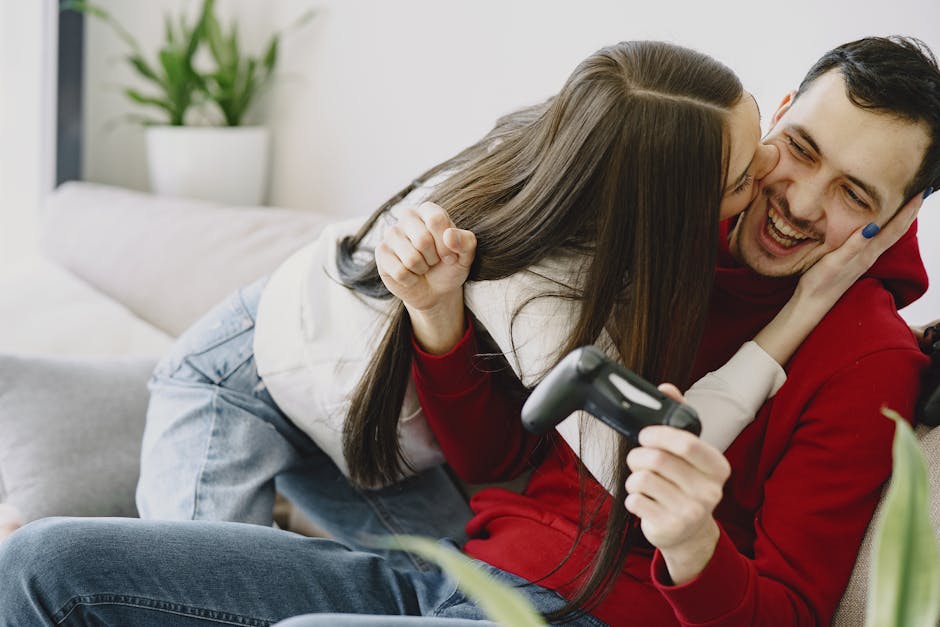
571,181
585,185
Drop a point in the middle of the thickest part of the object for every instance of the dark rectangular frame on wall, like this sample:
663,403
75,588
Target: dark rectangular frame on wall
69,90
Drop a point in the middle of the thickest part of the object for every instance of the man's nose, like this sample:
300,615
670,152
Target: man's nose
806,199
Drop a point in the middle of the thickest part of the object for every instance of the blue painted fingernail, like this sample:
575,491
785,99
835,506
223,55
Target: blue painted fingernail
870,230
928,192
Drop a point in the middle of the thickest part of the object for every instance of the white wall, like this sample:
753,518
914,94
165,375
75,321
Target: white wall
374,91
27,158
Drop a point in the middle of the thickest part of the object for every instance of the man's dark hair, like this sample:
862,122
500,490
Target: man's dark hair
897,75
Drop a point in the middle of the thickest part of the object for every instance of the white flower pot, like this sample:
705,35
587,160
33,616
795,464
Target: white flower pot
224,164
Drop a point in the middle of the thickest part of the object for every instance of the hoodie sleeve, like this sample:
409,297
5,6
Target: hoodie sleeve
817,504
477,425
728,398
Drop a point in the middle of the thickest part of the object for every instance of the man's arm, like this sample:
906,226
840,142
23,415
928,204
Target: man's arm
817,503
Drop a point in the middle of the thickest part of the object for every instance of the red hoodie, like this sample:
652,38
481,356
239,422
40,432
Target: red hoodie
806,474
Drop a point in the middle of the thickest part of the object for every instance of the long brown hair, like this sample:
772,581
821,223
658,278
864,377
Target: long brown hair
626,164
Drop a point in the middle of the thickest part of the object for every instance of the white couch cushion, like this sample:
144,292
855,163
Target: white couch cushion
167,259
46,310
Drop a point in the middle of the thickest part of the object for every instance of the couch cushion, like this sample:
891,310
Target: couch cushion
46,310
851,611
71,431
168,260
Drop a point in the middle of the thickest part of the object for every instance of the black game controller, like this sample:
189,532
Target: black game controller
587,379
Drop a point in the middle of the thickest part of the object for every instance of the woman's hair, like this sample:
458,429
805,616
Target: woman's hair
625,165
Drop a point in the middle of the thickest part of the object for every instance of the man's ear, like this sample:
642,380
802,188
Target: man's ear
783,107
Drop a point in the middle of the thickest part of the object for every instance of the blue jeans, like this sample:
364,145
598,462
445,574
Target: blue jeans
216,447
101,571
361,620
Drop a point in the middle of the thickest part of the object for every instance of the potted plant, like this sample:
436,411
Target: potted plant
223,160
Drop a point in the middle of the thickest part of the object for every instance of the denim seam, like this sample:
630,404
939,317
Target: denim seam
456,597
176,365
213,405
166,607
232,370
387,520
213,379
246,308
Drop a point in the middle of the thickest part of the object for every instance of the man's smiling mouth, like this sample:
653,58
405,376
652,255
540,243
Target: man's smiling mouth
781,231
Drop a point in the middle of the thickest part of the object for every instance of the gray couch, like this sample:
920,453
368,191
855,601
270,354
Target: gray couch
121,274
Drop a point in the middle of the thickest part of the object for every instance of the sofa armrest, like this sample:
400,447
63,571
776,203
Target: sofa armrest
851,611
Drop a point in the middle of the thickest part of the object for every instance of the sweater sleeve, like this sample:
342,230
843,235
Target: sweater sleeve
726,401
817,503
728,398
475,421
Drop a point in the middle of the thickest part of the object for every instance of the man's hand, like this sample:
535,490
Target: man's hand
424,260
676,482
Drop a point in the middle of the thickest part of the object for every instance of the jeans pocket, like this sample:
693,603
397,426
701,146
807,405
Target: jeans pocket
214,346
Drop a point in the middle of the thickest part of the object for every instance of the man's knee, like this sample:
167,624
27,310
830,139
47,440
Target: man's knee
28,560
26,545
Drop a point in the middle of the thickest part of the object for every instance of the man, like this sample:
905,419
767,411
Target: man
807,473
856,142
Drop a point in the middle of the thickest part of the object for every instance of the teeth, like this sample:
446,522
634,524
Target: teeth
781,232
783,227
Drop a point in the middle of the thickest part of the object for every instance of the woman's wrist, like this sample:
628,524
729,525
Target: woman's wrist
438,329
795,320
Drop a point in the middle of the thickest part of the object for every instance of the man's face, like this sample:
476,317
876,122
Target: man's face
840,168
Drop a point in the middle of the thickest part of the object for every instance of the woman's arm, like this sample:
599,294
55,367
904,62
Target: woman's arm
475,419
424,260
728,399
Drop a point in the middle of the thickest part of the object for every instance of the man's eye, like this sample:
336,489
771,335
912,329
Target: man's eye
856,198
796,147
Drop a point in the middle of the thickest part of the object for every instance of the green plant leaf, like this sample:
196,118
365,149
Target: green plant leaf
304,18
143,68
198,31
270,56
215,40
95,11
84,7
904,589
173,71
140,98
502,604
244,93
233,43
179,84
169,32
